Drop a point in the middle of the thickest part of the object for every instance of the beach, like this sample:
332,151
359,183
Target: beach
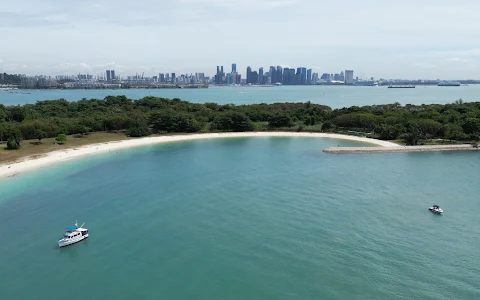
35,162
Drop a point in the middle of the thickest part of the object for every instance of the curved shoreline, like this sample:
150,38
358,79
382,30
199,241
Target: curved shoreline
29,163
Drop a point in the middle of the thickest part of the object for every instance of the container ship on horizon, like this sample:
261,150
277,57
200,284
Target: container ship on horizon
449,83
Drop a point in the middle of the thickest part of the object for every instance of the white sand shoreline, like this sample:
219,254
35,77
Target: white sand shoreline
28,164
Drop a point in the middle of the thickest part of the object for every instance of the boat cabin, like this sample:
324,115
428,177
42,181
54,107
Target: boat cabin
74,232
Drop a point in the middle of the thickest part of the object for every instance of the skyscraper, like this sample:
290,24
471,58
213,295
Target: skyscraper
273,75
234,68
249,75
112,75
220,75
288,76
279,75
309,76
314,78
298,76
254,77
109,76
348,76
260,76
304,75
174,79
161,77
286,72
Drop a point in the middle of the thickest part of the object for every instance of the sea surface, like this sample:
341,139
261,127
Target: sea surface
333,96
246,218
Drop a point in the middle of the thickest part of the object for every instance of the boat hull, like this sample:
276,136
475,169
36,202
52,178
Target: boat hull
65,242
436,211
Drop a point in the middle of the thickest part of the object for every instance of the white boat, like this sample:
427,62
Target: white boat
73,235
435,209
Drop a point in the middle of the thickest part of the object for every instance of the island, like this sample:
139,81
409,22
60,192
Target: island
31,131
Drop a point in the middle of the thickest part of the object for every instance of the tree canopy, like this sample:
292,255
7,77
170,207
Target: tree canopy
413,123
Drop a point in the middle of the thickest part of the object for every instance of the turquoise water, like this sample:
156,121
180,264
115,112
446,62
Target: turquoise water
333,96
259,218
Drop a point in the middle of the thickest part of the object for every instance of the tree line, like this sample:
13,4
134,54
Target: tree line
412,123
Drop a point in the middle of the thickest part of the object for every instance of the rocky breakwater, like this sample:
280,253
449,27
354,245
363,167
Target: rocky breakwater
345,150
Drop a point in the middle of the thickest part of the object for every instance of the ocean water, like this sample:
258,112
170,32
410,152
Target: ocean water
247,218
333,96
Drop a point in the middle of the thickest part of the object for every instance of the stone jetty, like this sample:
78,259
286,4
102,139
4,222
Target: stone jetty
346,150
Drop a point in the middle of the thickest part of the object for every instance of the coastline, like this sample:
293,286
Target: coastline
30,163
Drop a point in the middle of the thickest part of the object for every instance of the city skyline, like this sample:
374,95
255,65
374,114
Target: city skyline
411,39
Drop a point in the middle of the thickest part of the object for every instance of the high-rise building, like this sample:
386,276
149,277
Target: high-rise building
298,76
219,77
286,72
279,75
309,76
234,68
314,78
273,74
109,76
174,79
260,76
348,76
325,76
112,75
341,77
288,77
304,75
254,77
161,77
249,75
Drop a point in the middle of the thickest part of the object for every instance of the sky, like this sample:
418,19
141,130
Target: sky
437,39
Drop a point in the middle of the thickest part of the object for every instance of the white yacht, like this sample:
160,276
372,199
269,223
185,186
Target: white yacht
435,209
73,235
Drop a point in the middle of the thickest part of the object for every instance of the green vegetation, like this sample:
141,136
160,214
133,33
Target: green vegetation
61,138
413,124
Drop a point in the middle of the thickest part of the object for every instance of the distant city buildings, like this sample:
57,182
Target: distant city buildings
110,75
274,75
278,76
349,77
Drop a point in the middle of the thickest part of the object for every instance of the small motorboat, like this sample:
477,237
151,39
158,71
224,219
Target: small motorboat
73,235
435,209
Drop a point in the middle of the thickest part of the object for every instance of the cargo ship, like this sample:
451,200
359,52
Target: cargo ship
365,83
401,86
449,83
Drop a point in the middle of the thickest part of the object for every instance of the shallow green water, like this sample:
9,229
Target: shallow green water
260,218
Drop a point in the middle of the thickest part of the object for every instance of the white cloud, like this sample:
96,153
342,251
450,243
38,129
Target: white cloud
376,38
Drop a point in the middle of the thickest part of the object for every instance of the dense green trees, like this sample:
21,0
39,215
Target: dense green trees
232,121
61,138
456,121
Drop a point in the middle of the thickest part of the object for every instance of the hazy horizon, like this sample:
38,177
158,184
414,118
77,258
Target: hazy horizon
434,39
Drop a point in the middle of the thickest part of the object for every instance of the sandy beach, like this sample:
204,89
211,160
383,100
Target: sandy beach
29,163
